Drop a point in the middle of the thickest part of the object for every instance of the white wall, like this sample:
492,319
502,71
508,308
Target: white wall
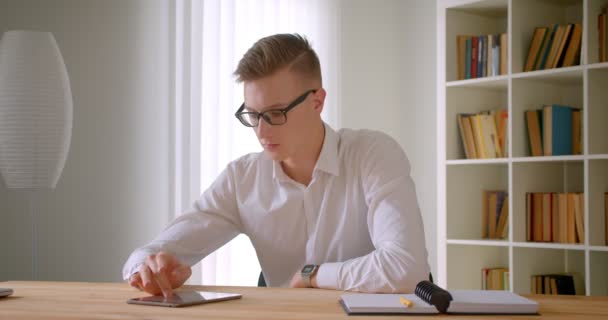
114,192
116,175
388,84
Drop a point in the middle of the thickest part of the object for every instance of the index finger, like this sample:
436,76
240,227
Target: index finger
163,283
163,264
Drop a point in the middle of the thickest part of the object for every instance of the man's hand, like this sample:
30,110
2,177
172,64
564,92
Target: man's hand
298,282
160,273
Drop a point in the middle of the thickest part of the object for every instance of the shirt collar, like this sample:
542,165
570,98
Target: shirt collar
328,158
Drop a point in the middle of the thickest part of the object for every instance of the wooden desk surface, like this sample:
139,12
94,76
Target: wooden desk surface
69,300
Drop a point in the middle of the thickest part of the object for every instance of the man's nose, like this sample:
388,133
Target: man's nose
263,127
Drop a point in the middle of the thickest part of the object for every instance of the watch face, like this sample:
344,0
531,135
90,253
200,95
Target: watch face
308,268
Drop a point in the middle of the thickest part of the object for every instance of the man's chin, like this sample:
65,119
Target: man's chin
274,155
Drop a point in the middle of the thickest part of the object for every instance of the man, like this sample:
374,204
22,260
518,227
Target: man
323,209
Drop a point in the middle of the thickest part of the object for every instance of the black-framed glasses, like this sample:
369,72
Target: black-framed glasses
273,117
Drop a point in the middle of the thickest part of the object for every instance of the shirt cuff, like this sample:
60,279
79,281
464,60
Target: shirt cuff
131,271
327,275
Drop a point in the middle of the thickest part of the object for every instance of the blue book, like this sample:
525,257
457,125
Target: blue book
467,74
561,130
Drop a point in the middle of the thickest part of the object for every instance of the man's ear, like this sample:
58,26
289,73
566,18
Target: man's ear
319,100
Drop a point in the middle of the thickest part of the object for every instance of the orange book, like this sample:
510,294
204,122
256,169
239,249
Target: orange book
606,216
547,217
537,216
571,224
534,135
557,40
555,217
535,44
574,46
563,217
503,219
560,50
529,222
579,207
502,126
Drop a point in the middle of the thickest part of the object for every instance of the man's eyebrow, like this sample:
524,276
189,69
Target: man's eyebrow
272,107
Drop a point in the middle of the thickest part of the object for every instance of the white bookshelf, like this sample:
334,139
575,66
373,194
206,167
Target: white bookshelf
462,253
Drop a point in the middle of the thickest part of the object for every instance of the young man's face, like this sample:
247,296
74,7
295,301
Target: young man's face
288,140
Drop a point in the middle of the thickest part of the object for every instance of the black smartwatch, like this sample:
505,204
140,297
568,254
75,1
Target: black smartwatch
307,272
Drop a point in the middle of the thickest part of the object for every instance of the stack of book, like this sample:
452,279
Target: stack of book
555,217
553,284
481,56
554,47
495,279
554,130
494,215
484,135
602,28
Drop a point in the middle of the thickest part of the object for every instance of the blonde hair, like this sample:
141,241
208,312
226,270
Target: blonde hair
273,53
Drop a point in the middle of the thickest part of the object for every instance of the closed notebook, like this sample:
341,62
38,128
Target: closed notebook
431,299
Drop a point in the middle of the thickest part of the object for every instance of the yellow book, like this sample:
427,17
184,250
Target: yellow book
490,136
477,133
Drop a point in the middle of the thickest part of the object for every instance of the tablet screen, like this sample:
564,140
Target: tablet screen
185,298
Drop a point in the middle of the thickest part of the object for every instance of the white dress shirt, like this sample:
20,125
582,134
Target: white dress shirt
358,218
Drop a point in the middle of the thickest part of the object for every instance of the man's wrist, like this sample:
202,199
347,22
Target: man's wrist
307,275
313,280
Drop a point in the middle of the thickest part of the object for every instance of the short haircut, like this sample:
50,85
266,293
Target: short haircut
273,53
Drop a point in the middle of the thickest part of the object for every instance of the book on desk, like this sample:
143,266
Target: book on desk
429,298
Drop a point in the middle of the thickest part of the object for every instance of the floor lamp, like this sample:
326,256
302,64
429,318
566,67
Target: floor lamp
35,116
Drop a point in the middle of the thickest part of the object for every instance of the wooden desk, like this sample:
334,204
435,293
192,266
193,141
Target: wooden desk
68,300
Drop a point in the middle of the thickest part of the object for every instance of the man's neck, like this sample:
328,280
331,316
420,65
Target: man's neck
300,167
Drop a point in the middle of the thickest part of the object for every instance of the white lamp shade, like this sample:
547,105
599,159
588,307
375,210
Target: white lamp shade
35,110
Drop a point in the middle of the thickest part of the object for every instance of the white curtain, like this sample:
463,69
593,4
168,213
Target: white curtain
210,37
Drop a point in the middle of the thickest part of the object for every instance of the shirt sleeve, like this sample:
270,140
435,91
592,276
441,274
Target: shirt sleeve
399,260
213,221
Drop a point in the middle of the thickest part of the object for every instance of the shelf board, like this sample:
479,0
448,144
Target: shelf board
549,245
497,82
477,161
599,248
568,75
499,243
549,158
598,157
600,65
491,8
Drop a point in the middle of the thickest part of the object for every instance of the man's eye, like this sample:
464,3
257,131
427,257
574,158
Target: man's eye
275,114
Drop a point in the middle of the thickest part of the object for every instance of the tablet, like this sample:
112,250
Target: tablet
5,292
185,298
